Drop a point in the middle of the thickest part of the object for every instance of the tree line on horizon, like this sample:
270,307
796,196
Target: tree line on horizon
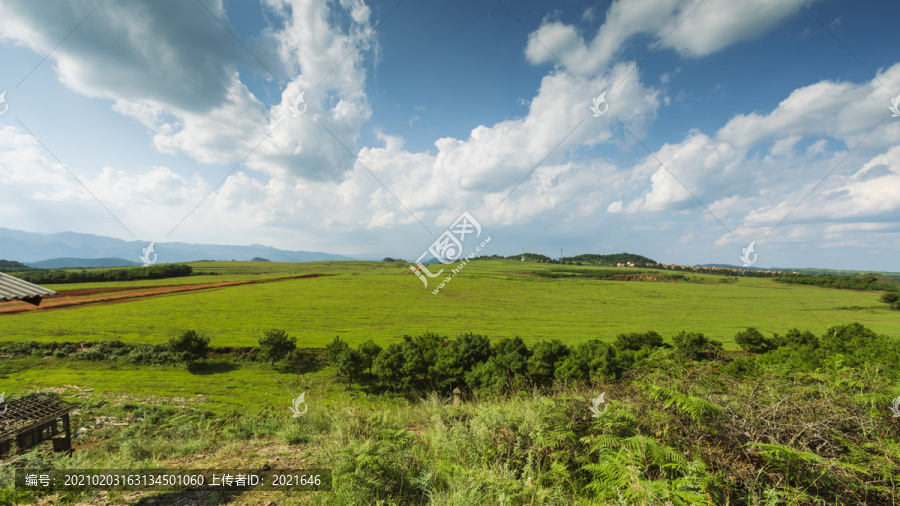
59,276
858,282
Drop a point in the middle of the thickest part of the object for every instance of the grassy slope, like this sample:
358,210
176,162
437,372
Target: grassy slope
246,387
369,299
461,446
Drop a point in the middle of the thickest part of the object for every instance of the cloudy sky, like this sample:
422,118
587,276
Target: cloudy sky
723,123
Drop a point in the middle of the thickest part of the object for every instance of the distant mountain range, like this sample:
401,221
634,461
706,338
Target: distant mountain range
71,249
87,263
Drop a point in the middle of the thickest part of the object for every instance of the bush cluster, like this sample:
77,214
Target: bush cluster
187,347
851,345
892,299
472,361
104,350
28,348
433,361
150,354
859,282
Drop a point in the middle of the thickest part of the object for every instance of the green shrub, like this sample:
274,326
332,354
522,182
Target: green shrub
350,363
276,344
66,349
104,350
458,357
889,297
334,349
189,347
505,368
545,358
589,361
150,354
753,341
696,346
741,368
796,339
389,366
637,340
420,354
369,351
847,338
26,348
860,346
790,359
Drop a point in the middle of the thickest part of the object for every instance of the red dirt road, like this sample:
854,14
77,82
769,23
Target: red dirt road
112,295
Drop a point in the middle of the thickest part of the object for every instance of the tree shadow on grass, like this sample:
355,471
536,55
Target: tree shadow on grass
363,382
216,367
313,365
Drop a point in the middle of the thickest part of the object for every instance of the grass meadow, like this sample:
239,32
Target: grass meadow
530,447
363,300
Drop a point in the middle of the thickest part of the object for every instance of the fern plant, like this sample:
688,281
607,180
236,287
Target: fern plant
641,470
697,408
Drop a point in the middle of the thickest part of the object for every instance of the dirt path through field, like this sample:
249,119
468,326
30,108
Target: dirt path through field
112,295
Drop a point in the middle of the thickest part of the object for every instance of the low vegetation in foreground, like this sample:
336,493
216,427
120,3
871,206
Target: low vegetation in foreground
794,419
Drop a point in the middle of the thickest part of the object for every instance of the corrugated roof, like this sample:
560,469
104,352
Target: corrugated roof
13,288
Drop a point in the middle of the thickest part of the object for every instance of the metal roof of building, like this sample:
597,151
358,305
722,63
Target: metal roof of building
13,288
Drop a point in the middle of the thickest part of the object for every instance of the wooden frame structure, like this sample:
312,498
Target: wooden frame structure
31,420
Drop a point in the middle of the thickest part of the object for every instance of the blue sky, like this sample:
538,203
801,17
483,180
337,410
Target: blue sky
149,121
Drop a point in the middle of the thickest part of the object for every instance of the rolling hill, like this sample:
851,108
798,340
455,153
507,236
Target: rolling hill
60,248
86,263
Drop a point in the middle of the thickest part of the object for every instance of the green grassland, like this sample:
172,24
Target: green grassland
227,412
217,386
362,300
